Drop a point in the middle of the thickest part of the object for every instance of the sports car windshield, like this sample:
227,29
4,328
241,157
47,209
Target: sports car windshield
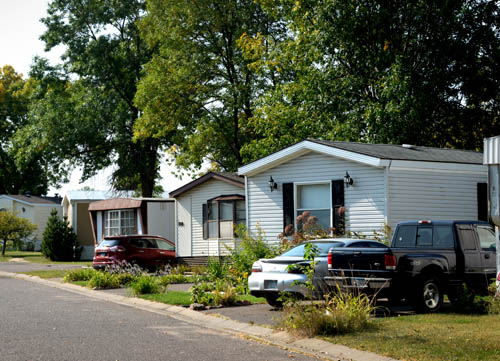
323,249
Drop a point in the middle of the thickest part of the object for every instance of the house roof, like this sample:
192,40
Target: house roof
231,178
378,155
31,199
408,152
82,195
123,203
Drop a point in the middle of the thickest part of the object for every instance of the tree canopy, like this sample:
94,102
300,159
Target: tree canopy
28,175
199,84
424,72
86,114
14,229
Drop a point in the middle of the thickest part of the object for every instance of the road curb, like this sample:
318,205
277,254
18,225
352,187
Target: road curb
314,346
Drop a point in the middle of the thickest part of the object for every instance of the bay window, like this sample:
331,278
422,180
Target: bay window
119,222
221,214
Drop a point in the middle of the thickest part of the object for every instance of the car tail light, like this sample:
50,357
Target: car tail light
390,261
330,260
256,267
424,222
117,249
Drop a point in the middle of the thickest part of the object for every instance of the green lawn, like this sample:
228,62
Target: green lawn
47,273
431,337
183,298
37,257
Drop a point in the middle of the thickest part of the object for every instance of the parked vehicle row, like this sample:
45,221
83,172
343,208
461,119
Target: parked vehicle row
426,260
146,251
271,276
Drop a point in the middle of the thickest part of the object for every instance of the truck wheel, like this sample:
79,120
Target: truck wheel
430,296
272,300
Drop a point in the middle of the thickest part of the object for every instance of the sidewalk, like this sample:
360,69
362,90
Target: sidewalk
311,346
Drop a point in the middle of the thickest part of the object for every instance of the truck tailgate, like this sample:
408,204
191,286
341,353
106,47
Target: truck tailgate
359,262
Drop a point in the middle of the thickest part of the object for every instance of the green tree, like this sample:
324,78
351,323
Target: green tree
58,239
14,229
198,92
29,175
85,115
423,72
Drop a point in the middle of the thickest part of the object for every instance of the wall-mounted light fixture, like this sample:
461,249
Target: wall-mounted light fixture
272,184
348,181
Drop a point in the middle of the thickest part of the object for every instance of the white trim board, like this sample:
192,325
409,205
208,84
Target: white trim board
302,148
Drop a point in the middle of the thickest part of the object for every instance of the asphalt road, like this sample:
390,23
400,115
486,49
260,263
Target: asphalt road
44,323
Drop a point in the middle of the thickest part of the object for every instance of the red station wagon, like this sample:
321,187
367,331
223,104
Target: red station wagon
146,251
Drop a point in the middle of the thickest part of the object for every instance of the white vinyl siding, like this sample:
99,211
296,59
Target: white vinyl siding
422,194
364,202
200,195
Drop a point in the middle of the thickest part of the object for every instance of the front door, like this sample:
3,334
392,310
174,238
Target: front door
183,226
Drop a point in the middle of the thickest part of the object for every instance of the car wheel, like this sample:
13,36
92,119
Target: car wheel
430,296
272,300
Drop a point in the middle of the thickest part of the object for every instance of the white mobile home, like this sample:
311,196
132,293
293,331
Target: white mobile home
206,211
362,186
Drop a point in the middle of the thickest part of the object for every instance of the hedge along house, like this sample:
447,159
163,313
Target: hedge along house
35,209
362,186
122,216
206,211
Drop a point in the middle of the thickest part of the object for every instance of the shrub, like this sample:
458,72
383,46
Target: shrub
180,269
200,295
83,274
174,278
59,239
216,269
341,314
250,249
104,280
198,270
466,301
126,278
348,312
146,285
224,294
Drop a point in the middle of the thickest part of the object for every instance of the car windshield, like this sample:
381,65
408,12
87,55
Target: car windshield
323,248
109,243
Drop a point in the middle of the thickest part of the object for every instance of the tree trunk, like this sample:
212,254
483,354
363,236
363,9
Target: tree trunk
3,247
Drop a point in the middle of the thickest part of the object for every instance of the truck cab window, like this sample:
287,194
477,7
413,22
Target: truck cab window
443,237
406,236
424,237
487,238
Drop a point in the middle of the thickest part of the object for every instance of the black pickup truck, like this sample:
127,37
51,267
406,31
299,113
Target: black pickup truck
426,260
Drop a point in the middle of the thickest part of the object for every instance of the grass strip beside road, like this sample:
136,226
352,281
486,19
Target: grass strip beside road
47,273
183,298
431,337
37,257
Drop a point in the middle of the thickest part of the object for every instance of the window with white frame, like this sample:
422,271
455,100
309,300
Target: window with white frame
221,216
316,199
117,222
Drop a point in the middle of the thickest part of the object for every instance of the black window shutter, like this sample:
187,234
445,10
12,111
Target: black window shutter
482,201
205,223
287,204
338,205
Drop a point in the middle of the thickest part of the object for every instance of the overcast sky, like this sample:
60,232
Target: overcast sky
20,29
